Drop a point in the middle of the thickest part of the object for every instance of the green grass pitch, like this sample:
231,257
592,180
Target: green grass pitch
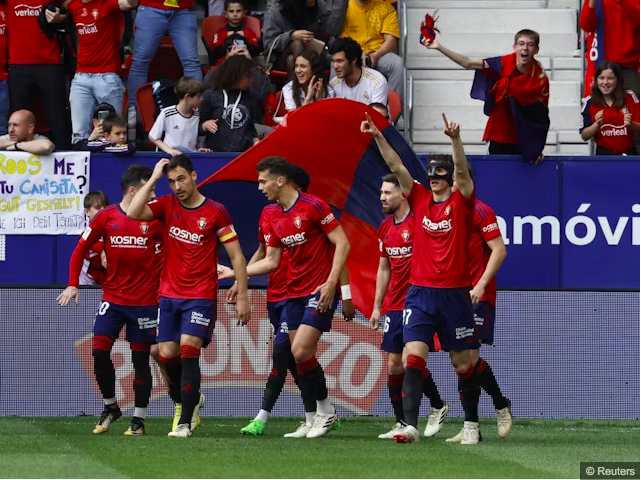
66,448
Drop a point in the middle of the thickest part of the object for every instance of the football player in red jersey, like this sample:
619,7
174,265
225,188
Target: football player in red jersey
438,299
486,254
307,228
194,227
396,238
129,296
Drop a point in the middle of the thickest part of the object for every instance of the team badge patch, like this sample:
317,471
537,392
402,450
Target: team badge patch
297,222
202,222
144,228
406,235
447,210
95,13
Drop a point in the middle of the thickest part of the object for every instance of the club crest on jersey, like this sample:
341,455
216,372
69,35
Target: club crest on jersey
447,210
3,15
297,222
95,13
144,228
202,222
406,235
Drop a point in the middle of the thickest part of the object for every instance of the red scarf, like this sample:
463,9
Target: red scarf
531,87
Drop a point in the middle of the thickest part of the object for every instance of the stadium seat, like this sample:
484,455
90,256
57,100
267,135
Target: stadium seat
394,106
166,62
146,106
215,22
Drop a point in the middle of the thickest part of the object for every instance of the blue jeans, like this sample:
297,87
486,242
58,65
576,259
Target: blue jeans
87,91
151,25
4,107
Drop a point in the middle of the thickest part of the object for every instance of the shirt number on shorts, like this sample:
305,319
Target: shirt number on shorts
104,306
385,324
406,316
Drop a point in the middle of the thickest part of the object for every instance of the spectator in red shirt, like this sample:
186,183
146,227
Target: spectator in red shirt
610,113
155,19
614,25
35,64
4,71
99,24
235,15
516,91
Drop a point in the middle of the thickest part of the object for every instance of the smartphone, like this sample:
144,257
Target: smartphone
102,115
239,43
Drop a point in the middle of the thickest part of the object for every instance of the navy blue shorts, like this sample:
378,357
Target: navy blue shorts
180,316
484,314
393,332
303,311
277,312
446,311
140,322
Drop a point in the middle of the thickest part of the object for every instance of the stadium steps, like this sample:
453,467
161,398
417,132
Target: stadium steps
481,29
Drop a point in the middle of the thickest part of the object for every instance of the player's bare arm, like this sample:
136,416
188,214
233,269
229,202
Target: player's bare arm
138,208
499,252
390,156
383,276
461,173
240,269
261,267
327,289
349,311
463,60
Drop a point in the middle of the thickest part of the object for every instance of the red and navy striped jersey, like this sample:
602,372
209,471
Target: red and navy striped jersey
613,134
277,280
303,230
192,237
484,229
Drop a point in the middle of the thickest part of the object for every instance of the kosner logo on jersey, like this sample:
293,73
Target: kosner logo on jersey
581,229
354,365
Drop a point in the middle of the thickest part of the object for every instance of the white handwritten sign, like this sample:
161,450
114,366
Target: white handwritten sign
43,195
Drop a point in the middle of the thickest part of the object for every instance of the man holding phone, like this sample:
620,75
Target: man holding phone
108,134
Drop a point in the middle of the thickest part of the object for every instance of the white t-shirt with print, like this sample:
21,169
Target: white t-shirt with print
370,88
180,132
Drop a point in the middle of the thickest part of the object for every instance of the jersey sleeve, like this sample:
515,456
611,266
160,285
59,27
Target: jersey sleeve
486,223
586,118
325,218
467,203
92,235
225,226
380,93
382,252
158,129
418,194
160,206
633,105
390,22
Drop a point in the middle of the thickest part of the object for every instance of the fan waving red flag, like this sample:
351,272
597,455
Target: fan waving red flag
346,169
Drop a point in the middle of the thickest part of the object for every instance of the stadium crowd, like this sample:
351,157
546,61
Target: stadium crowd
65,72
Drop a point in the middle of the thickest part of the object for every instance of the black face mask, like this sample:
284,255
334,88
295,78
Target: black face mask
448,166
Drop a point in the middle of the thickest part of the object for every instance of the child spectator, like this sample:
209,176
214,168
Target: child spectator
610,113
235,15
113,139
176,128
94,269
308,83
227,111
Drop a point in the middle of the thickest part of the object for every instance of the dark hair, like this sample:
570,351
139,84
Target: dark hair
96,199
619,92
275,166
318,70
231,71
229,40
351,48
526,32
188,86
113,120
376,105
300,177
103,107
440,157
391,178
134,176
181,160
229,2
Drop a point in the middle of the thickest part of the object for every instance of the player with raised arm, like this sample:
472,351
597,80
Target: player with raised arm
305,226
194,226
486,254
129,296
438,299
396,239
